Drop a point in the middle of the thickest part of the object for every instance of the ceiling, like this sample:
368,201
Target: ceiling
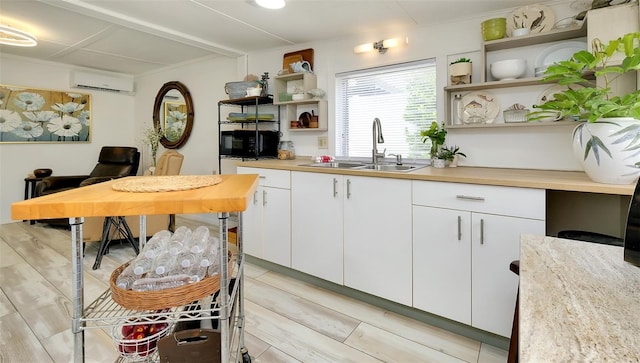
139,36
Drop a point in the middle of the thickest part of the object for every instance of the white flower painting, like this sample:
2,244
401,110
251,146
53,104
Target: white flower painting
38,115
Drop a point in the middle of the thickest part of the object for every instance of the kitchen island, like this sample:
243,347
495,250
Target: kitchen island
579,302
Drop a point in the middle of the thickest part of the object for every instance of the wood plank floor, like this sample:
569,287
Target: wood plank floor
287,320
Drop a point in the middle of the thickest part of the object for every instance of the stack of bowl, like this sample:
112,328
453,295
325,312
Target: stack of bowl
493,29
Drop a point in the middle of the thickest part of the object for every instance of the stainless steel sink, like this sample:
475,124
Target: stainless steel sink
336,165
361,166
392,167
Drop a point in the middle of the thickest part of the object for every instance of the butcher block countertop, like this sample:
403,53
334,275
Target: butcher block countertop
99,200
579,302
524,178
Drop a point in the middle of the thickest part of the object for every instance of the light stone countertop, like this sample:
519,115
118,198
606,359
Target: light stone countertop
579,302
575,181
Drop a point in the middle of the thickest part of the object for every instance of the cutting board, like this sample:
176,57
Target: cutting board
288,59
297,56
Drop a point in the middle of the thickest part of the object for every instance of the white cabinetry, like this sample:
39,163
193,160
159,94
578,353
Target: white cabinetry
354,231
317,224
377,237
267,220
464,238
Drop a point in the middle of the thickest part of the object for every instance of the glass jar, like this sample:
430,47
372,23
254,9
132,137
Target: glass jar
286,151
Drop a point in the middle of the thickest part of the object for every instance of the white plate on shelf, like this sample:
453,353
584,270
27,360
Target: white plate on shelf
559,52
538,18
479,107
547,95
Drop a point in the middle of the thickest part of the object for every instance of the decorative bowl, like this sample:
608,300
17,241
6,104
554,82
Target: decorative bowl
493,29
508,69
42,173
316,93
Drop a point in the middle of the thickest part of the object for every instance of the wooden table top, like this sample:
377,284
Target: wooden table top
99,200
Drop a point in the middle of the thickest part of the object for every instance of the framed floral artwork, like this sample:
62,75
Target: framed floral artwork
40,115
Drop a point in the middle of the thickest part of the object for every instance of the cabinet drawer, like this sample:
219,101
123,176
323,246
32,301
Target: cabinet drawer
270,177
510,201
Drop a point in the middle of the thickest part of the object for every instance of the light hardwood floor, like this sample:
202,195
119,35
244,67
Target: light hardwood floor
287,320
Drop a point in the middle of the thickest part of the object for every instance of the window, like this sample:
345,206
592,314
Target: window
402,96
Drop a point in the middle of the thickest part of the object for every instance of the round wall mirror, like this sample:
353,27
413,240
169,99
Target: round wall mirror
173,114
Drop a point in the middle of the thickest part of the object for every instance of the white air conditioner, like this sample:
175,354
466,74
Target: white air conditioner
101,82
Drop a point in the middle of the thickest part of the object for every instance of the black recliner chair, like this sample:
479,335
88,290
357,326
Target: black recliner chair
113,162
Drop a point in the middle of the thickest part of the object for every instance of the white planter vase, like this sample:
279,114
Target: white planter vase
438,163
609,149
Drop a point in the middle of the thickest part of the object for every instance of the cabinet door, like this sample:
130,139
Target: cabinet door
276,225
495,244
316,220
377,242
442,262
252,226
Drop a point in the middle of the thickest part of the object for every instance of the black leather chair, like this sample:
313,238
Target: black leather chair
113,162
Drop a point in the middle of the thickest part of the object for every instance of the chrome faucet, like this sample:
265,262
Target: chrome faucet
377,138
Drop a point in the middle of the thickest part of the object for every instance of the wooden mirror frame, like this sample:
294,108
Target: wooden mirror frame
158,107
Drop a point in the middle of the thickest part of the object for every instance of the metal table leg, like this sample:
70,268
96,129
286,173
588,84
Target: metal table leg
77,325
224,288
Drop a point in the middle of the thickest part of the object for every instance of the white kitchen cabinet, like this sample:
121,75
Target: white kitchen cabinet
465,237
442,262
354,231
377,237
317,225
495,244
267,221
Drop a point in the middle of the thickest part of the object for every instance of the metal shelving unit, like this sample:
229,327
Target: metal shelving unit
244,104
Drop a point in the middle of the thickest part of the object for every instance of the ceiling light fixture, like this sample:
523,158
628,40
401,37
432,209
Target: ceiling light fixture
271,4
19,38
381,46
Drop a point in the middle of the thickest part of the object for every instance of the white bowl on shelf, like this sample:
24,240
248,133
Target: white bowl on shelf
508,69
298,96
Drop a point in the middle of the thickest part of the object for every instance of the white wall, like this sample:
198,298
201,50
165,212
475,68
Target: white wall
112,123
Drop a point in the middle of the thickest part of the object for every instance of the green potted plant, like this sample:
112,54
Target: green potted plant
460,71
607,139
436,135
450,155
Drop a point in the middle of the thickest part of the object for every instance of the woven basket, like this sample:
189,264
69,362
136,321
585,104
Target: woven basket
162,299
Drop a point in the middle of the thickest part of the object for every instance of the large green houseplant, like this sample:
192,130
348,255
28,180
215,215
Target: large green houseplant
609,124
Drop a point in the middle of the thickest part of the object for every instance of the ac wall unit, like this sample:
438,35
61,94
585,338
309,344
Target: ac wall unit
101,82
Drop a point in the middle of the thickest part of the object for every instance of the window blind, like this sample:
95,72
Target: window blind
402,96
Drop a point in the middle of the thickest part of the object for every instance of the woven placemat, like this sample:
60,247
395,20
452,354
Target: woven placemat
167,183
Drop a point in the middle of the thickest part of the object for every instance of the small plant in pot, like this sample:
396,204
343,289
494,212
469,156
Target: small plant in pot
460,71
607,139
436,134
450,155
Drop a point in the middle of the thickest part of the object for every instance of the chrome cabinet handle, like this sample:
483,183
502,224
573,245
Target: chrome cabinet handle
459,228
348,188
482,231
255,197
468,197
262,177
264,197
335,187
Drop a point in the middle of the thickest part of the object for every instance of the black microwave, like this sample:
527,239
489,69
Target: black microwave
249,143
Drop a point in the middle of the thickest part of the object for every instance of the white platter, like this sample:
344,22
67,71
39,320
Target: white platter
538,18
559,52
547,95
479,107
